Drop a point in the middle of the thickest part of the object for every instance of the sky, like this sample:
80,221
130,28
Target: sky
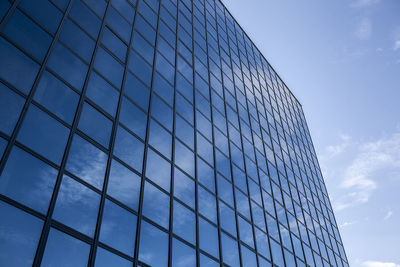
341,59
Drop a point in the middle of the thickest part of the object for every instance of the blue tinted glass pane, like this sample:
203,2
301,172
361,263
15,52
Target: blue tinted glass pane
28,180
77,40
114,44
143,47
184,131
227,218
208,238
145,29
19,236
262,243
133,118
44,12
242,204
77,206
124,8
160,139
16,68
109,67
161,112
43,134
205,149
10,107
68,66
97,6
207,205
184,222
182,255
124,185
118,24
57,97
153,249
156,205
277,253
86,18
184,188
104,258
102,93
249,258
207,262
27,35
64,250
166,69
225,190
158,169
3,144
184,158
223,164
118,228
163,89
184,108
95,125
129,149
60,3
230,252
184,87
140,67
87,162
246,232
205,175
137,91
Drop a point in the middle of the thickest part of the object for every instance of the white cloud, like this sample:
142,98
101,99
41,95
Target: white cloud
365,3
374,160
379,264
388,215
336,150
347,224
364,29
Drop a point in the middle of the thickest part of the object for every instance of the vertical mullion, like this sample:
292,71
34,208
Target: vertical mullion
47,224
93,250
171,203
146,145
213,140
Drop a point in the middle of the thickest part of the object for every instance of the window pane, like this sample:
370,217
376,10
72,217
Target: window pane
109,67
16,68
249,258
129,149
114,44
184,222
64,250
143,47
56,97
230,252
86,18
43,134
158,169
105,258
207,205
68,66
207,262
184,131
124,185
87,162
163,89
153,249
184,158
95,125
227,218
246,232
28,180
44,12
160,139
137,91
184,188
161,112
27,34
208,238
225,190
77,206
182,255
205,175
102,93
77,40
156,205
133,118
10,107
118,24
3,144
140,67
19,236
118,228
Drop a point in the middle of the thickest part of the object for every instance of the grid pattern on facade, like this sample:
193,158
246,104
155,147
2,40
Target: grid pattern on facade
151,133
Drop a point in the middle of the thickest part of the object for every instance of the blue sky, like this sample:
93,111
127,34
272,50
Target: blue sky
342,61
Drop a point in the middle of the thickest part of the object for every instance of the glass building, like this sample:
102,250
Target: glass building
151,133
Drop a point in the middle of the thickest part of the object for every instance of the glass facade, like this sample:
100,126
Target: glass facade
151,133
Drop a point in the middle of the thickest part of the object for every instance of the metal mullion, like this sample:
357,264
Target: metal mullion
146,146
20,206
213,143
71,231
48,222
114,251
93,250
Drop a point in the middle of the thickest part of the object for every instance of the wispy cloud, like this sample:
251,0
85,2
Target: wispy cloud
389,214
345,224
365,3
336,150
363,29
373,160
379,264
